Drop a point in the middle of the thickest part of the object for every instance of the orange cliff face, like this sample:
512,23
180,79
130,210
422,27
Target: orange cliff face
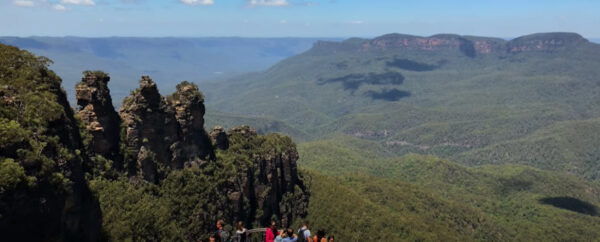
546,42
467,45
433,43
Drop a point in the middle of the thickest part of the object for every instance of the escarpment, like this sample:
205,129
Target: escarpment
469,46
44,195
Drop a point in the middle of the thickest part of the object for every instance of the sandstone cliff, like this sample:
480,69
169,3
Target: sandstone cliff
164,133
98,115
193,144
469,46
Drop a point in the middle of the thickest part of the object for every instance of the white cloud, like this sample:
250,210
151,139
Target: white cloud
268,3
23,3
59,7
283,21
357,22
79,2
198,2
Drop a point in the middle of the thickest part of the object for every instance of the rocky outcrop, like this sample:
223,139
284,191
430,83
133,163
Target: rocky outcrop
545,42
151,132
219,138
270,183
164,133
99,116
188,104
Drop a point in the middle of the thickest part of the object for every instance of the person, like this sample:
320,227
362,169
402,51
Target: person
304,233
330,238
290,236
212,238
280,237
222,234
320,237
271,232
241,232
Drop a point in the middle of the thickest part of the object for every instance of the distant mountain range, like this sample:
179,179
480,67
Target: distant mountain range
363,107
477,100
166,60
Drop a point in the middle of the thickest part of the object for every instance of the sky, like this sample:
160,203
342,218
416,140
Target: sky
296,18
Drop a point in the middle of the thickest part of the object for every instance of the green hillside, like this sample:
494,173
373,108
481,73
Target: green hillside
501,107
491,203
570,146
460,97
376,210
342,78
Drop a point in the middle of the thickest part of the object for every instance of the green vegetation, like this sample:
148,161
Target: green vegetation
494,108
42,181
565,146
187,203
45,171
376,210
535,109
374,126
399,199
29,115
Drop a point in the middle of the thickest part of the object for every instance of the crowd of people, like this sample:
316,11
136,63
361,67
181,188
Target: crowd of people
272,234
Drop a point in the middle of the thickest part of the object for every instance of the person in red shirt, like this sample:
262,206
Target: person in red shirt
271,232
320,237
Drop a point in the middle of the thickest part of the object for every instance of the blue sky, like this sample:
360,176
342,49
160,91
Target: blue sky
296,18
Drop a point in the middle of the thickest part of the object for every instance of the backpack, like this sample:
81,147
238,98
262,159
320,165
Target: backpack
301,235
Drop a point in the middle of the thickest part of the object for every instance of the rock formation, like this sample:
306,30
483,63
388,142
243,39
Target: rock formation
164,133
188,104
99,116
219,138
270,183
152,132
